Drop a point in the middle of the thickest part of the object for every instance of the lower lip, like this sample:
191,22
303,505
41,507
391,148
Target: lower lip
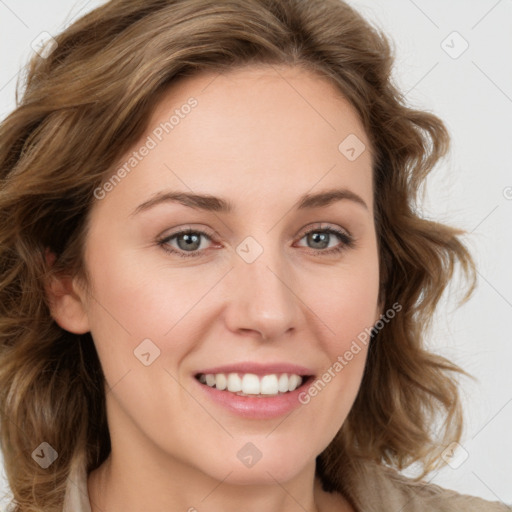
257,407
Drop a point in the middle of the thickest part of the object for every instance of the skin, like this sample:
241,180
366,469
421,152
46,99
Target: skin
261,137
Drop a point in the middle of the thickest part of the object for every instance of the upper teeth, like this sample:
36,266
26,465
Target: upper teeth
252,384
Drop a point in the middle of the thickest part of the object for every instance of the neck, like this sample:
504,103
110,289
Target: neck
115,486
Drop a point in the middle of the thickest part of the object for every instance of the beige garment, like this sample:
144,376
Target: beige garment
382,490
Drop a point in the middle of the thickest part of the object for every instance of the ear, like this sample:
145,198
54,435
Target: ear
66,300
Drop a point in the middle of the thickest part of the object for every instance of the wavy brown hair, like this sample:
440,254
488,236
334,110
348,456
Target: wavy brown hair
82,108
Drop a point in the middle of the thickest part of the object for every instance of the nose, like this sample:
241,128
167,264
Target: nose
262,299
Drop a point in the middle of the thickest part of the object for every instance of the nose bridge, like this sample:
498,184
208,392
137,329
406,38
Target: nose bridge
262,289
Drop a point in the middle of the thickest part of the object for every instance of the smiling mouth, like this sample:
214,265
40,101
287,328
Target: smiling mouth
250,384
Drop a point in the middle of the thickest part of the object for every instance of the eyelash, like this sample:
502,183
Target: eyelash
346,239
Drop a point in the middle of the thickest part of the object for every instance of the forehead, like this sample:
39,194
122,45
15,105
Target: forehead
251,133
265,106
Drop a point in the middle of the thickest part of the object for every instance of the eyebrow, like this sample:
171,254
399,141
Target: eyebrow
217,204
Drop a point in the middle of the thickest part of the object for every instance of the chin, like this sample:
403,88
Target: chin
279,466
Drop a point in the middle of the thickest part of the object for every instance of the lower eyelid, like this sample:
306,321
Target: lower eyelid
344,239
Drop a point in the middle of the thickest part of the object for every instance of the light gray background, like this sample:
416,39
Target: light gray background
471,189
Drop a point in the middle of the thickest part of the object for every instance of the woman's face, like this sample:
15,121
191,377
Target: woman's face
247,291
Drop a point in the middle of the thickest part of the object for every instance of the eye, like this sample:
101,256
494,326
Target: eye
188,242
320,238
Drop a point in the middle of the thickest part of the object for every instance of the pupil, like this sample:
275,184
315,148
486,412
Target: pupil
320,237
189,241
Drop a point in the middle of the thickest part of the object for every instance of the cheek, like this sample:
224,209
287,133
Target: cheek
139,298
347,303
344,299
132,302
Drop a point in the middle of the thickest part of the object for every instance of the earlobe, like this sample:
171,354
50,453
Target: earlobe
67,306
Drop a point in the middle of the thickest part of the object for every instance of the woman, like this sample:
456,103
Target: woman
214,281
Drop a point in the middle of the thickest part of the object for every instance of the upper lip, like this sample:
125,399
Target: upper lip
258,368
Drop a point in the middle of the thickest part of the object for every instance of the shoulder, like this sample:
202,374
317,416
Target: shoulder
387,489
